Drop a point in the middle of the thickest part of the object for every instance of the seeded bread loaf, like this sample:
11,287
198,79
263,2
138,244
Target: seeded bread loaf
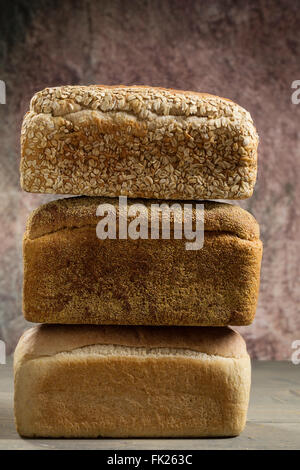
71,276
139,142
109,381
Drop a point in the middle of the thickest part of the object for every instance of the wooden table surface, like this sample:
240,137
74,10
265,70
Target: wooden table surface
273,418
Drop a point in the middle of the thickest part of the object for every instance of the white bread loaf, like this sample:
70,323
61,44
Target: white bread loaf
118,381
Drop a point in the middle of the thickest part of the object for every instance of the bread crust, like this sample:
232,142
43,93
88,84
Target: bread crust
71,276
48,340
79,212
129,392
139,142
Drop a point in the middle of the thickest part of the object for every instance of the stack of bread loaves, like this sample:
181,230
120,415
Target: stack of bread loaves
135,338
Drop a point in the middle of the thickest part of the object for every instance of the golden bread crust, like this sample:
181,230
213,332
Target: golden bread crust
81,211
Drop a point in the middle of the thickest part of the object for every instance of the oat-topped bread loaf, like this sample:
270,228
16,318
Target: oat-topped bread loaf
139,142
72,276
108,381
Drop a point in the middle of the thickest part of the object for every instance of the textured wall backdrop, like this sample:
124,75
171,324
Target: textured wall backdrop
248,51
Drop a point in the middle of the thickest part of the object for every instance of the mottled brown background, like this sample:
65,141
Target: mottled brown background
248,51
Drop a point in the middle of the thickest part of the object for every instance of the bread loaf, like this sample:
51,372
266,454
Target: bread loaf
71,276
139,142
109,381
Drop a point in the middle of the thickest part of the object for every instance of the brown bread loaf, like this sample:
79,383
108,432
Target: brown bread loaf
71,276
139,142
